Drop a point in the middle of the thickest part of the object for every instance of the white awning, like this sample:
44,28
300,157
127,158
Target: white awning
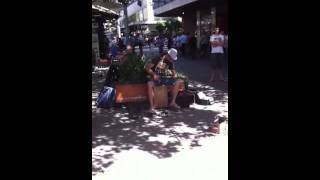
172,5
108,4
103,9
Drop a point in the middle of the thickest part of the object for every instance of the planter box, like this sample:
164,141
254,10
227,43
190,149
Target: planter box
131,92
134,92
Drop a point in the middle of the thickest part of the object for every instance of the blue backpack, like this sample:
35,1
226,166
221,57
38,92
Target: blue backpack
106,97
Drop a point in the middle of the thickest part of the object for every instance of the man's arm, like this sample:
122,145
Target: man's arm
174,73
212,41
149,71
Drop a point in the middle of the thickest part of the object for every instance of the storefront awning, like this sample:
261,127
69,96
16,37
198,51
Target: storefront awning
171,6
109,4
102,11
176,7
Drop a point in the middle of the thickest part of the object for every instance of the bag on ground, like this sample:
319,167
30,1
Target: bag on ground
106,97
185,99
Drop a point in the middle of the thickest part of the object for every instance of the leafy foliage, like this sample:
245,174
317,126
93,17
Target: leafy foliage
184,78
160,27
172,25
132,70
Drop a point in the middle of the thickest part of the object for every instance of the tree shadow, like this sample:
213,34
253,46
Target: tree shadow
113,131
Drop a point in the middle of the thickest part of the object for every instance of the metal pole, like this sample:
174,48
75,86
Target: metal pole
126,19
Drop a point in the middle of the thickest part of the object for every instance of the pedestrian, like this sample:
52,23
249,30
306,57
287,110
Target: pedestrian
114,49
193,47
120,44
170,42
216,41
178,43
160,43
140,44
183,40
204,43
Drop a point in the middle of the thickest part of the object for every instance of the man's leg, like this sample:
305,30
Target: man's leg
212,75
151,94
183,49
175,91
220,59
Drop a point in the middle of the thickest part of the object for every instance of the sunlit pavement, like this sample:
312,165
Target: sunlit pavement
210,161
175,147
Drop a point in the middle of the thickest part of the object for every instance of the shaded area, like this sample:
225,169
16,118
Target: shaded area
114,132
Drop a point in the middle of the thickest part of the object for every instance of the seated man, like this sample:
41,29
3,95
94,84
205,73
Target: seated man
162,72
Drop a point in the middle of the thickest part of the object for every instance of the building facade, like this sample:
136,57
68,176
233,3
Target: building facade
103,24
198,16
141,18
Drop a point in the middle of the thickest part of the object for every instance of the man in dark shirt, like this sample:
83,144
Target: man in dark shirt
162,72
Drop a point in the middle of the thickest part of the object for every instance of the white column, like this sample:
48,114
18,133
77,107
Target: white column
150,12
118,28
198,28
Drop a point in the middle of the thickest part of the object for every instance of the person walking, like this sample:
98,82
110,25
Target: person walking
140,44
170,42
183,40
160,43
204,43
193,46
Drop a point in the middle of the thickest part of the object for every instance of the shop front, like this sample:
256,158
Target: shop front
198,16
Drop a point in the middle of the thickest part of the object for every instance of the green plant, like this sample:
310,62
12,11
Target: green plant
172,26
184,78
132,70
160,27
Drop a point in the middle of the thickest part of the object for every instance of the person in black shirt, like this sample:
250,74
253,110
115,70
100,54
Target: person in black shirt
162,72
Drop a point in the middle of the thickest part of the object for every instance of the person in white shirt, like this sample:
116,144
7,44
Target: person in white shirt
217,42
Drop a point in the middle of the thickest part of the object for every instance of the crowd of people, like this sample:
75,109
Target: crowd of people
161,69
214,45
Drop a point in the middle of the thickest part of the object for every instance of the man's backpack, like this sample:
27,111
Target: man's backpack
112,75
185,98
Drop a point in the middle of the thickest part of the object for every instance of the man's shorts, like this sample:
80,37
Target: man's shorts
216,60
165,81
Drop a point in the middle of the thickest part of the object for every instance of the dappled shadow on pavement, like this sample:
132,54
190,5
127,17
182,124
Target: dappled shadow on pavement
114,132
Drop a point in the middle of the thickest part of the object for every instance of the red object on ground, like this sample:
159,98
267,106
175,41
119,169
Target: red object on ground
215,128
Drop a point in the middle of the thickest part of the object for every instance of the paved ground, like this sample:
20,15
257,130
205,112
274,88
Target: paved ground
171,147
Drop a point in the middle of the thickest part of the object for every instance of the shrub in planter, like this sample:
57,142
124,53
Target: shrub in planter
132,70
184,78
